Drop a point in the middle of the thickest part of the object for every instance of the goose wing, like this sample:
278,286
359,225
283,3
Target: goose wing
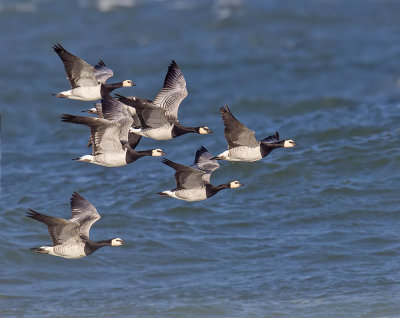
79,73
186,177
149,115
133,139
173,92
104,134
84,213
60,230
102,72
116,111
271,139
204,162
237,134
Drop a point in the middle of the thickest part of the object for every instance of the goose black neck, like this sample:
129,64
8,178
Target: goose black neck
266,148
212,189
178,130
92,246
106,89
132,155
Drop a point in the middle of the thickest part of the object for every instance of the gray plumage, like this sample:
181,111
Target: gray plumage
87,82
70,238
190,184
204,161
79,73
159,118
173,92
242,143
112,143
237,134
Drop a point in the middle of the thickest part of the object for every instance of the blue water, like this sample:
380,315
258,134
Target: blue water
315,230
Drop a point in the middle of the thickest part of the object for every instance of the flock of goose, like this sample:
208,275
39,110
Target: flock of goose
117,130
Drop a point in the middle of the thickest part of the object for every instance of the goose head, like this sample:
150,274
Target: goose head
117,242
288,143
204,130
128,83
235,184
157,153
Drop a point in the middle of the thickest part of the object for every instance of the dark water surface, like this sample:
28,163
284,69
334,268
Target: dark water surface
315,230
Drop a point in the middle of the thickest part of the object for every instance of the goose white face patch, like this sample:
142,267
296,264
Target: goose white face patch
235,184
289,143
127,83
157,152
204,130
117,242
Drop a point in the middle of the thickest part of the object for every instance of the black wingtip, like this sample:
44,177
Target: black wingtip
58,47
224,109
162,194
67,117
32,214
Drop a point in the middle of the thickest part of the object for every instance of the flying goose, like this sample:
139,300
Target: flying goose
70,238
116,105
112,144
190,185
88,83
242,143
159,118
204,161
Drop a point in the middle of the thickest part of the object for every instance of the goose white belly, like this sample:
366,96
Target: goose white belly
84,93
195,194
242,153
66,250
161,133
111,159
106,159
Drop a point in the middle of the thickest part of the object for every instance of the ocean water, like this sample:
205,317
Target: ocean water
315,230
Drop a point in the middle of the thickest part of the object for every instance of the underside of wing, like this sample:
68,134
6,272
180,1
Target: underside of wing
172,93
83,212
105,138
102,72
116,111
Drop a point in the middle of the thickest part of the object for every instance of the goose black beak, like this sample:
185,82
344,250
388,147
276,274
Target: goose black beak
296,144
122,242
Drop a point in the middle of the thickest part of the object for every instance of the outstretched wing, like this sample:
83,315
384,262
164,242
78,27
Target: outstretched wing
84,213
237,134
272,139
60,230
116,111
102,72
204,162
149,115
186,177
79,73
173,92
104,134
133,139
